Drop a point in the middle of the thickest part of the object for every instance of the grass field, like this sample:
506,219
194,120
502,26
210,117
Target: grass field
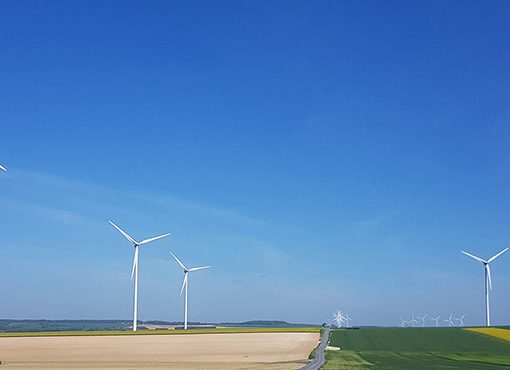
416,348
162,332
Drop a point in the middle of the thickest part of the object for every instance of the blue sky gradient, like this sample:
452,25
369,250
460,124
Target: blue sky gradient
319,155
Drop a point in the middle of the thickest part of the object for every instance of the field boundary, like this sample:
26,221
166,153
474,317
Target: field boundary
159,332
498,333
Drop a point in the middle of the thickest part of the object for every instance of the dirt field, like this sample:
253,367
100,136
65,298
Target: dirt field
197,351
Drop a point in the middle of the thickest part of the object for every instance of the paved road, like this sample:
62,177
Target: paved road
318,361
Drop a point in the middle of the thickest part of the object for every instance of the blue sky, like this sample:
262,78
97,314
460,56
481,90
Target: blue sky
319,155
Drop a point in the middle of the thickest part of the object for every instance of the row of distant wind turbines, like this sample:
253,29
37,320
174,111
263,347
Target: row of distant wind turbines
340,318
134,274
338,315
450,321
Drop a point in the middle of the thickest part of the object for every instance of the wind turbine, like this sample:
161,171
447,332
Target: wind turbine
3,168
338,318
134,271
403,323
347,320
460,320
449,320
488,280
185,284
413,320
422,318
436,320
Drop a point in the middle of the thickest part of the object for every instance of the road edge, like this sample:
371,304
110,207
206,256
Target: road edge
320,358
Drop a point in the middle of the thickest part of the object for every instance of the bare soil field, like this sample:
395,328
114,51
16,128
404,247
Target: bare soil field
198,351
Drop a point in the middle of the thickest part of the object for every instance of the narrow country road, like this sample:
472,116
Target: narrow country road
319,359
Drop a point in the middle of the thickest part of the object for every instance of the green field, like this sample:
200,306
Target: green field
416,348
161,332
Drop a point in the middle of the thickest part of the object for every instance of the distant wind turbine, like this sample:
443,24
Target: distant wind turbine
185,285
422,318
3,168
338,318
403,323
347,320
134,271
460,320
449,320
436,320
488,280
413,320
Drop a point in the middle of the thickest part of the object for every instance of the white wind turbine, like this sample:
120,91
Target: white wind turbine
460,320
449,320
134,271
185,285
347,319
403,323
422,318
338,318
488,280
436,320
413,320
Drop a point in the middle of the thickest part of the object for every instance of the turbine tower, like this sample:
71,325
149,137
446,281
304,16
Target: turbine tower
185,285
488,280
134,271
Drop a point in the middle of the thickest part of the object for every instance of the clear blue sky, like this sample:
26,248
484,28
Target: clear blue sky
319,155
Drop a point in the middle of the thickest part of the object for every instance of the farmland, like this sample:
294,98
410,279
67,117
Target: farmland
494,332
417,348
230,330
221,350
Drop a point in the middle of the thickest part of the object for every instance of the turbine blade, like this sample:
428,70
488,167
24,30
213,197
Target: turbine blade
475,257
179,262
184,282
126,235
3,168
497,255
489,275
145,241
135,263
199,268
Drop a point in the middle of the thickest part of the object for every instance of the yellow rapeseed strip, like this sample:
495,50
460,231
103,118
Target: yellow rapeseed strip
493,332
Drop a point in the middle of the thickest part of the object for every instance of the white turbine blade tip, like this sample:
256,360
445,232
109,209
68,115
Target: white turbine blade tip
184,282
145,241
126,235
3,168
179,262
497,255
199,268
